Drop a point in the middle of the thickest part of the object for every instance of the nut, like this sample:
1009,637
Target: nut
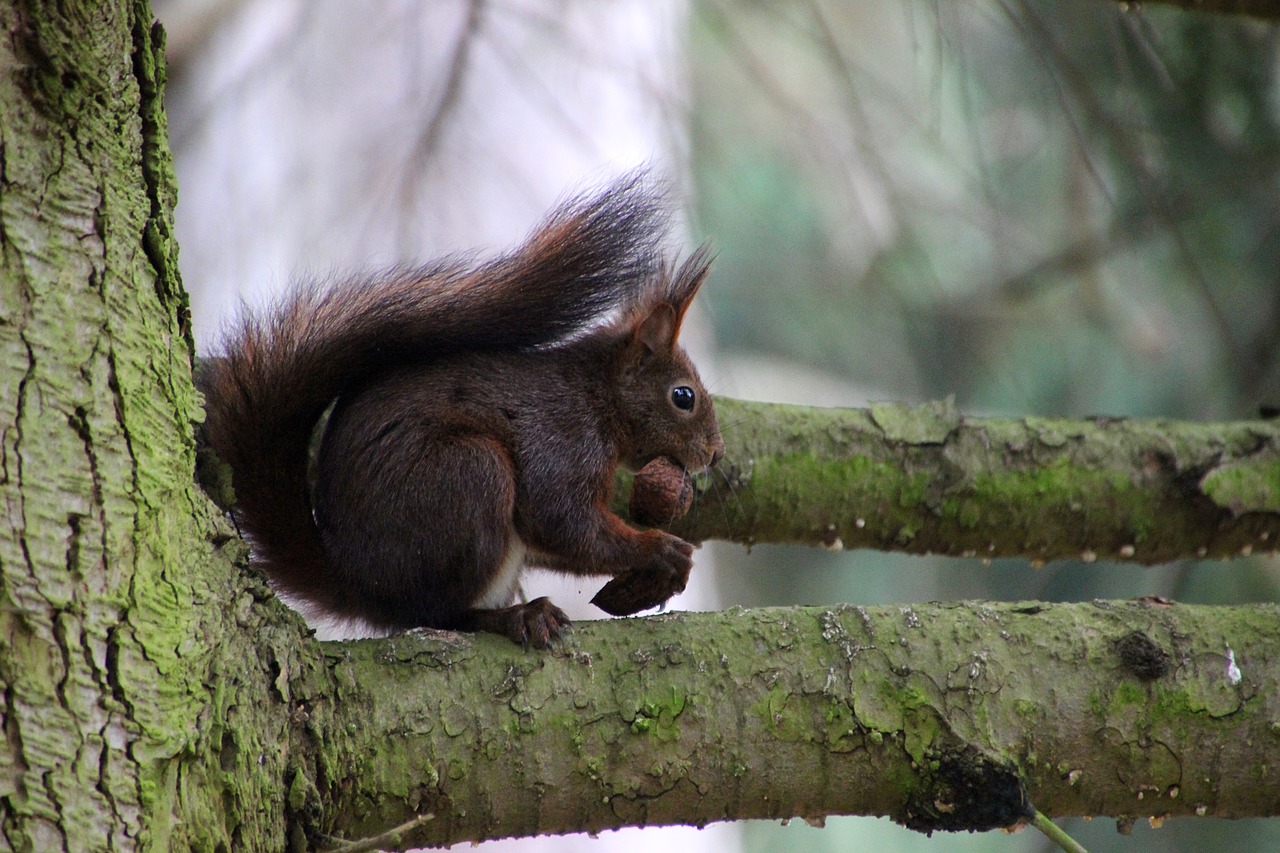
661,494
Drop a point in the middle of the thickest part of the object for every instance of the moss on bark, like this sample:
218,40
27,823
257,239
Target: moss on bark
1041,488
804,712
127,686
154,695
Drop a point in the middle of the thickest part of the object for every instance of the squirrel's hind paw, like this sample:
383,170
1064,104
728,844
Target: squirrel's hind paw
537,623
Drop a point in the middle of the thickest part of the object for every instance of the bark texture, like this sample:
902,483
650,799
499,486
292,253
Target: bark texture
926,479
943,716
121,664
155,696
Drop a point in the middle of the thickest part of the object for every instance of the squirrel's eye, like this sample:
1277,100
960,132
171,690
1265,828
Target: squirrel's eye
682,397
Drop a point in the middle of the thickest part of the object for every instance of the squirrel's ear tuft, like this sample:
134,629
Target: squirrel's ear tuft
683,284
655,330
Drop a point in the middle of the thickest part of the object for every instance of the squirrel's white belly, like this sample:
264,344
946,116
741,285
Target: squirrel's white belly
502,590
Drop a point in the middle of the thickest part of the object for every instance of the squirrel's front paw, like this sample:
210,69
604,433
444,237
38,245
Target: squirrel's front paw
648,585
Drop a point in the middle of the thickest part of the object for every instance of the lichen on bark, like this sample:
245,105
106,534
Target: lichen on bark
112,690
805,712
154,694
1040,488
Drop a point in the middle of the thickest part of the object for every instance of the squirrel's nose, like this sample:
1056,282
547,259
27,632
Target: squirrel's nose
717,452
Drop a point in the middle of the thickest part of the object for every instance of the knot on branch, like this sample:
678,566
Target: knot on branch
962,789
1142,656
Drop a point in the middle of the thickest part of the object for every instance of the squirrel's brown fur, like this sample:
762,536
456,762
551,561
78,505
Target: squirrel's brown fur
480,412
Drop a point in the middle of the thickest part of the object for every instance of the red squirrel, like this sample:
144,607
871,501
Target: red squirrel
479,411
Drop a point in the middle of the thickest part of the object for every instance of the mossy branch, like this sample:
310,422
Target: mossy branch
944,716
928,480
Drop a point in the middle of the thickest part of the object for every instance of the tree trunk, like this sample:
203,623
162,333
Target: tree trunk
154,695
132,700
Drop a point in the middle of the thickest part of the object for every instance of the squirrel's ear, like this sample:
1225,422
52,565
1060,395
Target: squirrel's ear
656,332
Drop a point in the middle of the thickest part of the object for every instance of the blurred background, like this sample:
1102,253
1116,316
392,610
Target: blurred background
1049,207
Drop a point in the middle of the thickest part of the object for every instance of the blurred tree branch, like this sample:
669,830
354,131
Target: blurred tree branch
1268,10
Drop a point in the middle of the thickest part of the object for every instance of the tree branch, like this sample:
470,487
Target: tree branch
943,716
928,480
1267,10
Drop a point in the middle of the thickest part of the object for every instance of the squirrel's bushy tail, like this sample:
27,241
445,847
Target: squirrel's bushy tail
283,367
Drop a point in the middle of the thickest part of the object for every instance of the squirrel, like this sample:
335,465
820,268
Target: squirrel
477,413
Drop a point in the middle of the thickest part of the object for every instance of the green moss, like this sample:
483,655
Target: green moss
966,513
912,698
922,729
882,494
783,722
842,732
1051,487
1161,701
877,706
889,710
298,789
929,423
658,716
1244,486
1129,693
